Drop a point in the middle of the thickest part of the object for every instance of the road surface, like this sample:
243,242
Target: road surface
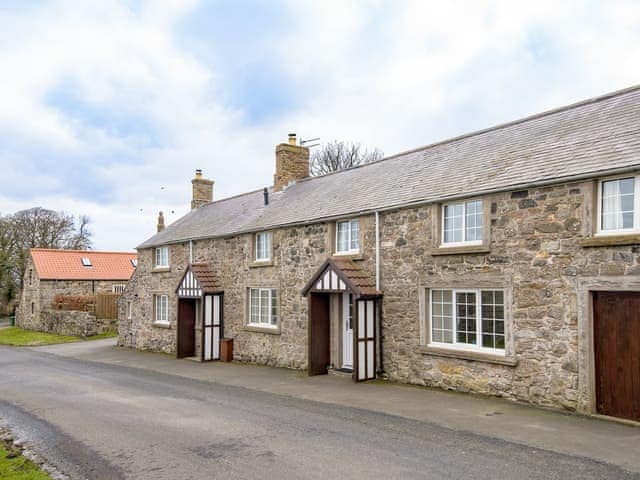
101,421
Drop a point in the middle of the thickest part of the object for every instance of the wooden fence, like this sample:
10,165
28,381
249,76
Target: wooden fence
107,305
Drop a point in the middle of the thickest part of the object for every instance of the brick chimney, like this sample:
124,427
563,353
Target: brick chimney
202,190
292,163
160,222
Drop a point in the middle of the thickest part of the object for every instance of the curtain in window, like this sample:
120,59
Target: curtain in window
274,307
343,237
255,305
453,223
355,232
617,204
263,246
611,211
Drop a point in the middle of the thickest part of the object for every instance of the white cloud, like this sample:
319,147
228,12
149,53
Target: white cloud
394,75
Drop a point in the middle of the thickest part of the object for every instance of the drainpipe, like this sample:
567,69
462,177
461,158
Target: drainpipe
377,250
190,251
380,356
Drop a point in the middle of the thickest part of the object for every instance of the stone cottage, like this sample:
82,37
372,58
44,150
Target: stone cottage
503,262
58,285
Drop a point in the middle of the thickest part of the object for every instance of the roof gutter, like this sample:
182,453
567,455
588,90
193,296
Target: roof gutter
416,203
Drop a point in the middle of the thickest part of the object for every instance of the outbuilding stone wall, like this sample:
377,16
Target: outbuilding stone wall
35,310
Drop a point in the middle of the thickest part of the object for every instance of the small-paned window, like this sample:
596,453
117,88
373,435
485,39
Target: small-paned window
468,318
348,236
118,288
162,257
462,223
162,308
618,205
263,247
263,307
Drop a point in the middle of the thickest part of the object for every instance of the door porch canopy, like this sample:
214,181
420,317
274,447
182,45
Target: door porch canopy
198,280
337,275
340,275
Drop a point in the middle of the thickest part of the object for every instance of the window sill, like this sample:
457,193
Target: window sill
349,255
161,269
461,249
469,355
166,325
261,263
611,240
261,329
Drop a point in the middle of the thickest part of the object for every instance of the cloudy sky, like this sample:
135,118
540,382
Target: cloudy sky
107,107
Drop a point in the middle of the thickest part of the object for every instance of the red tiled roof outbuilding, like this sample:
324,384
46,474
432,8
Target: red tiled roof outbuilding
53,264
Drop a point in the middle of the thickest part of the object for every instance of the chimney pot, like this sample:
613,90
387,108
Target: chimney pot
292,139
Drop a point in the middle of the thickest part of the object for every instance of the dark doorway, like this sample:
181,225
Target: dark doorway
186,328
319,353
616,333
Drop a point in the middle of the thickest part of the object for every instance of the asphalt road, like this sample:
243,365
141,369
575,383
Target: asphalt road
111,422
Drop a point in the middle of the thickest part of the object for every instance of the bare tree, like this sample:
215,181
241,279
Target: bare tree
336,155
8,277
34,228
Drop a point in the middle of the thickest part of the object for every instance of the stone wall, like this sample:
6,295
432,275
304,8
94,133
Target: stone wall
140,331
73,322
533,252
28,311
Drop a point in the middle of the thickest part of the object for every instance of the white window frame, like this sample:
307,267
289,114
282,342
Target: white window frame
160,309
272,320
158,257
350,250
464,223
267,237
455,346
636,207
118,287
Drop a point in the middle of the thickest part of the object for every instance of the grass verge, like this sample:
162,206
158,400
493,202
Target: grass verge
13,466
18,337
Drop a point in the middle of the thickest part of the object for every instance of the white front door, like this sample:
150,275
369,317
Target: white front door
347,330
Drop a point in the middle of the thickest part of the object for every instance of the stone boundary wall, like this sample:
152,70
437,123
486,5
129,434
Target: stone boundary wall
73,322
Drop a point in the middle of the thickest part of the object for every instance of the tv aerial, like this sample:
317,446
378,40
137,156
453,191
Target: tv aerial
310,140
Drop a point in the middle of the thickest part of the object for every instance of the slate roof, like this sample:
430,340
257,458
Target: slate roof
361,282
54,264
586,139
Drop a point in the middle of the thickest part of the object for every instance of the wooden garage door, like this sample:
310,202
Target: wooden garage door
617,353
